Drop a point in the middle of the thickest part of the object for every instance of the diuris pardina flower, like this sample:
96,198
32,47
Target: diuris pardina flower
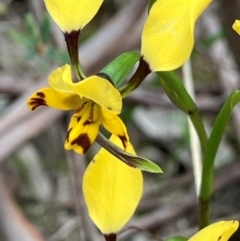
221,231
236,26
168,34
113,198
95,100
72,15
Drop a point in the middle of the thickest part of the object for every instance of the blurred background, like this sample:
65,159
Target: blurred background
40,183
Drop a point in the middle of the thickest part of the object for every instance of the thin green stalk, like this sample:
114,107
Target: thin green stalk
141,73
72,46
177,93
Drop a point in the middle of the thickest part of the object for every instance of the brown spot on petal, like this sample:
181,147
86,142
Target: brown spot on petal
68,133
87,122
124,141
90,119
36,102
40,94
79,109
83,141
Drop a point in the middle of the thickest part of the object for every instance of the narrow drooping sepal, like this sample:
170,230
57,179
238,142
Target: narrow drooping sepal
167,38
131,160
112,190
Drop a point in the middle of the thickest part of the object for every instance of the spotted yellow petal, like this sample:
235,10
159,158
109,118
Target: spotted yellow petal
55,79
167,38
54,99
74,14
220,231
236,26
115,126
84,127
100,90
112,190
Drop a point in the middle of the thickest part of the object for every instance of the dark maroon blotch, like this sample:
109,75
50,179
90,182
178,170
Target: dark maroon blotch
83,141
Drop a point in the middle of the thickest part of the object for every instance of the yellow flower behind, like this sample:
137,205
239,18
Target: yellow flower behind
220,231
236,26
168,34
112,190
72,15
95,100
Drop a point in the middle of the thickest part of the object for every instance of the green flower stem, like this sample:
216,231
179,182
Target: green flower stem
210,154
204,212
72,46
177,93
141,73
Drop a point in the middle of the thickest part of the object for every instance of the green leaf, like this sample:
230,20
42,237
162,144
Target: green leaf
129,159
45,29
177,238
121,67
214,142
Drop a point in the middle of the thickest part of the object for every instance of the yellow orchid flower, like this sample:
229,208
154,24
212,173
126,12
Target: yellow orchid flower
168,34
236,26
95,100
112,190
72,15
220,231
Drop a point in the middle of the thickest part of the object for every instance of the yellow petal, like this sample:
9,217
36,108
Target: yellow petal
100,90
167,38
55,79
112,190
222,230
74,14
115,126
236,26
83,128
54,99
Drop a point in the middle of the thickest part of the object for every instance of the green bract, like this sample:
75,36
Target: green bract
121,67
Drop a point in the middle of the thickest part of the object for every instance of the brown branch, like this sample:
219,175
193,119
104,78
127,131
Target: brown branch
14,226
